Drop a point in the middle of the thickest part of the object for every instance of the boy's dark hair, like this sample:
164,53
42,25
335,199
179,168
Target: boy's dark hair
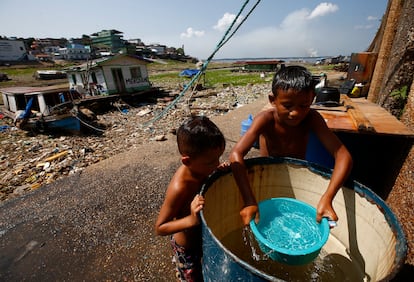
293,77
197,135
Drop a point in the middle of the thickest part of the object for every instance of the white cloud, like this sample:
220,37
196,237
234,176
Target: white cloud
226,20
312,52
296,35
367,26
190,32
295,20
323,9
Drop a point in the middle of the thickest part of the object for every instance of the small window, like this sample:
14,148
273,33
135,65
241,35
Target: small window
93,76
74,79
136,72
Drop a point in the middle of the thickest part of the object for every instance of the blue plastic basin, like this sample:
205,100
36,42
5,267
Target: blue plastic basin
288,232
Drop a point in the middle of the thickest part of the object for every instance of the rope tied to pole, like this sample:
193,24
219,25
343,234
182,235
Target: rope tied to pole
226,37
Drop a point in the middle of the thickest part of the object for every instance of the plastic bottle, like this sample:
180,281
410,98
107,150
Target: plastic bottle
245,125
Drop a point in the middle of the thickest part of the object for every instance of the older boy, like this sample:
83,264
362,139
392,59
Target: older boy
200,143
283,130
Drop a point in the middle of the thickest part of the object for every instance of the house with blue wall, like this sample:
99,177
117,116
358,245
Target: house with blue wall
73,52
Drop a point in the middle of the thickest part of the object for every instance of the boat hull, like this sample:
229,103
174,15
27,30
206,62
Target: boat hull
67,124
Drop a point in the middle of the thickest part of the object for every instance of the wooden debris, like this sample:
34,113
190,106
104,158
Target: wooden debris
56,156
358,118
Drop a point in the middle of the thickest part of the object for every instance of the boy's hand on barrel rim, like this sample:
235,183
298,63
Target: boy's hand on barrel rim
325,209
248,213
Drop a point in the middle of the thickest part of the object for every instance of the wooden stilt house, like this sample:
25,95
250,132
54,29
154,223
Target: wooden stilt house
120,74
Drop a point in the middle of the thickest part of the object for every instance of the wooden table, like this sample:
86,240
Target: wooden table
358,115
378,142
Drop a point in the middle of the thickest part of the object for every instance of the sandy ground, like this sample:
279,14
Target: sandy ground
97,225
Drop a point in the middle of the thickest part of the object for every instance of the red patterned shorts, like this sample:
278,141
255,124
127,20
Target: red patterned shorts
188,265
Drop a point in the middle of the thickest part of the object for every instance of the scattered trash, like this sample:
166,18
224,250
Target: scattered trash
159,138
143,112
57,156
29,162
4,128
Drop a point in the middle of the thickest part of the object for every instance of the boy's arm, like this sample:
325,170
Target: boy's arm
240,174
250,209
239,170
167,222
341,170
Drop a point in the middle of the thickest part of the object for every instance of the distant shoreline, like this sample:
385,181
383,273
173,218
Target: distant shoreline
285,59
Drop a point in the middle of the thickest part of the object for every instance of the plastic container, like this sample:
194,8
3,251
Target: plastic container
245,125
288,232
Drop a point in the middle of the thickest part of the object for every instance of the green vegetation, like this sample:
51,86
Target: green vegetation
225,76
169,65
400,94
19,71
212,78
400,99
216,75
23,75
320,68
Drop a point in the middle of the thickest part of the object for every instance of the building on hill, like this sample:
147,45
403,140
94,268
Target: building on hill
112,39
14,50
158,49
74,52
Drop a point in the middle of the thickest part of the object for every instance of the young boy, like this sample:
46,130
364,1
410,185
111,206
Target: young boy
283,131
200,143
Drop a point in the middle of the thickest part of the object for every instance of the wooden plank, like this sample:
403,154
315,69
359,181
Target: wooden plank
364,117
381,119
357,116
338,121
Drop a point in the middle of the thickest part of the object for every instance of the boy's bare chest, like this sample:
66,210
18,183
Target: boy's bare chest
287,142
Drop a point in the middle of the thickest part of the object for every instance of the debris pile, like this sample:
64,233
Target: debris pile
28,162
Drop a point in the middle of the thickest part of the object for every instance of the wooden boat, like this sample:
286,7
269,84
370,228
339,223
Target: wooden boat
42,109
49,74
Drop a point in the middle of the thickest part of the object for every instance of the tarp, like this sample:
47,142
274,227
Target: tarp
28,110
189,72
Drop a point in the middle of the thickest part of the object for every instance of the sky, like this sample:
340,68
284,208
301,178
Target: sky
274,29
